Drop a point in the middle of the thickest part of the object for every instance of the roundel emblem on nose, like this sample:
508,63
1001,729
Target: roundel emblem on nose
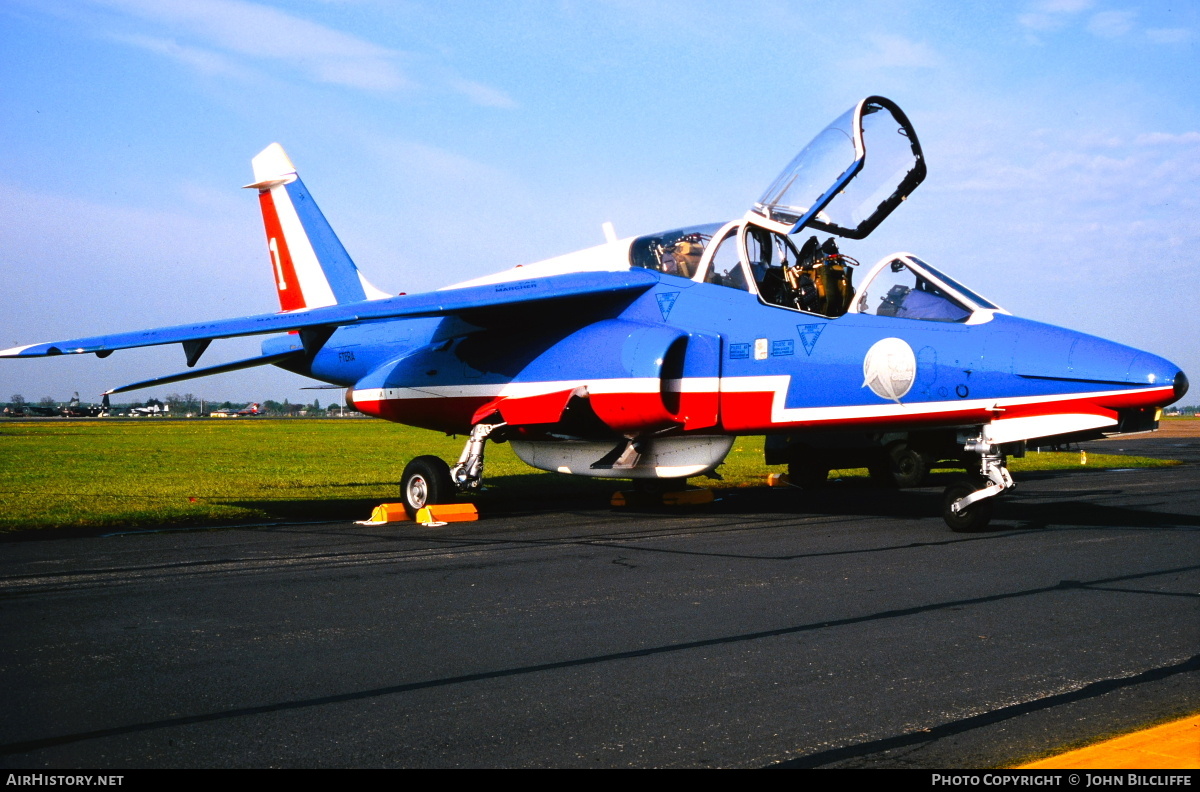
890,368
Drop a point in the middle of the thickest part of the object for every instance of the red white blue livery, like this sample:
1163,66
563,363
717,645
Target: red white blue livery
644,357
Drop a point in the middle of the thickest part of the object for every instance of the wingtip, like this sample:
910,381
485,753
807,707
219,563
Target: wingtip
13,352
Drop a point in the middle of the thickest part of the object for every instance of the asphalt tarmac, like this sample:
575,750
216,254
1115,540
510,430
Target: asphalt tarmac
775,628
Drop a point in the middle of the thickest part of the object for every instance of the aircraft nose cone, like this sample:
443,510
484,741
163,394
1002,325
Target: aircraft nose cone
1151,369
1181,385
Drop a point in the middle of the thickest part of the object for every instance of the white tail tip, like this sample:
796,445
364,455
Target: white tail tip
272,166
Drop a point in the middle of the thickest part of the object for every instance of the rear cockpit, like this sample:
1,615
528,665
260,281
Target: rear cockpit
676,252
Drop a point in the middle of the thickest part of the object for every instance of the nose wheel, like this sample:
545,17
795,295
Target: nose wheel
972,517
967,504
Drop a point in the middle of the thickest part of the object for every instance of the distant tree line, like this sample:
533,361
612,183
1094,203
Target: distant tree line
174,404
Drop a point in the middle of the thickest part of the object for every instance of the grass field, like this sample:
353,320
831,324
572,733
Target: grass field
129,473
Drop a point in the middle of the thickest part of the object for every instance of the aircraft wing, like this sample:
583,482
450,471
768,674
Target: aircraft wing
478,304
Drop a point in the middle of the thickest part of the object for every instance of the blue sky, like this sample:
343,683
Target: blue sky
447,140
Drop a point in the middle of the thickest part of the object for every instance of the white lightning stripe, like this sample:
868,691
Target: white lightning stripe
515,390
631,385
694,385
313,284
777,386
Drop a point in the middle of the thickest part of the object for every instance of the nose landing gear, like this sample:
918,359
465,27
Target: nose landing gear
967,504
467,474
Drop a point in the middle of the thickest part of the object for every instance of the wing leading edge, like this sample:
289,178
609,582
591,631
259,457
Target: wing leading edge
492,302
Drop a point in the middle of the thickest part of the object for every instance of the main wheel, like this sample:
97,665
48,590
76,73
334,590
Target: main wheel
902,467
426,480
973,518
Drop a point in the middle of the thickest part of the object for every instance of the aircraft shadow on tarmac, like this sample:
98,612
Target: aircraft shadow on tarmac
851,500
855,500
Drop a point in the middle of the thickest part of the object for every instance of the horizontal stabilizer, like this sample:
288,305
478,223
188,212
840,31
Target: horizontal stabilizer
481,304
236,365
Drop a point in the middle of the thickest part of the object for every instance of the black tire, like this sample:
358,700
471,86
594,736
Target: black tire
807,474
976,516
902,466
426,480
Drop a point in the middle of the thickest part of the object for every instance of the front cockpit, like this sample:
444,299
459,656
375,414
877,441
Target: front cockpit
814,278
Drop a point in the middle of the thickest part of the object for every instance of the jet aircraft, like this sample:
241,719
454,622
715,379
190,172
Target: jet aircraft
643,358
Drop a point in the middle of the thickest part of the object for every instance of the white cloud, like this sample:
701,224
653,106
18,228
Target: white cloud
264,33
1051,14
1111,24
224,37
483,95
1164,138
406,158
891,51
202,60
249,29
1169,35
1065,6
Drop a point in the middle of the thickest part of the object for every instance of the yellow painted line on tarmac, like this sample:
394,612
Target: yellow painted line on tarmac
1171,746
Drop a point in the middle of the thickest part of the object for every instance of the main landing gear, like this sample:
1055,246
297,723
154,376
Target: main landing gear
967,504
428,480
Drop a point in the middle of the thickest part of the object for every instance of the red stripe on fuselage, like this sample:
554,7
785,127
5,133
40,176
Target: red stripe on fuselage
750,412
451,415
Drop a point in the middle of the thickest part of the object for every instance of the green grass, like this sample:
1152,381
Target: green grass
121,474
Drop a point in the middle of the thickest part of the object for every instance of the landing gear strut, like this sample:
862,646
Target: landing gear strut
467,474
967,504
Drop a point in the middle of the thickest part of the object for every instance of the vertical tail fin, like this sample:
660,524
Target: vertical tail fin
310,266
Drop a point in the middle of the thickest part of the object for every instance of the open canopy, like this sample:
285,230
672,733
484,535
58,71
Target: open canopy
834,186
